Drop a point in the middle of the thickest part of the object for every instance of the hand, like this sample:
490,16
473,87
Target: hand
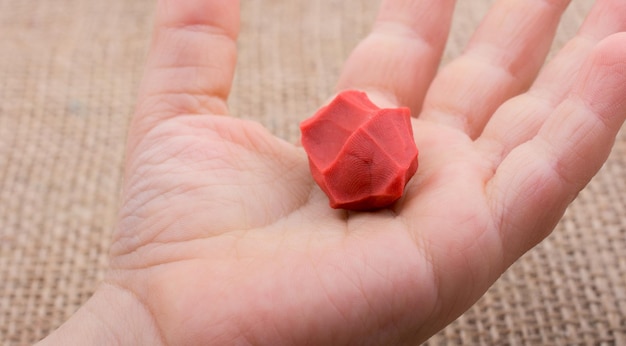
224,238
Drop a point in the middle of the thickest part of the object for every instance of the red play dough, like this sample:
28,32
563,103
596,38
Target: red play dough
360,155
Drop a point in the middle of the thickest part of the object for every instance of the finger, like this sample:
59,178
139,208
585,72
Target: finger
191,60
519,119
398,60
535,183
501,60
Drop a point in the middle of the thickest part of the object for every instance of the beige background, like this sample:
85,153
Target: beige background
68,74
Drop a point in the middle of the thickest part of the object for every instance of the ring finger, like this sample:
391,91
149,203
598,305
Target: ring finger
501,60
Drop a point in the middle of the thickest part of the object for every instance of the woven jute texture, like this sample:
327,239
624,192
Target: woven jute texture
69,71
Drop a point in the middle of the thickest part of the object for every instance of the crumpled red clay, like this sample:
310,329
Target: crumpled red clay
360,155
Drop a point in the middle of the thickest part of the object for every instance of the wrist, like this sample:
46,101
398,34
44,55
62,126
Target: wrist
112,316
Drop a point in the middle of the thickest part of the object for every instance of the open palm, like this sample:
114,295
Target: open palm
225,238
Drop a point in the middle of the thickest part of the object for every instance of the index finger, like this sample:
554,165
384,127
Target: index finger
191,61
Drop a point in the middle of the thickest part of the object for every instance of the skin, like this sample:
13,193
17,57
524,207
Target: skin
224,238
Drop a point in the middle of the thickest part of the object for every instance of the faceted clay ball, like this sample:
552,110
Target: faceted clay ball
361,156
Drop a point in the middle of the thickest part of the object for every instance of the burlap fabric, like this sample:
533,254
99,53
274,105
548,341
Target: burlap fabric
68,74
